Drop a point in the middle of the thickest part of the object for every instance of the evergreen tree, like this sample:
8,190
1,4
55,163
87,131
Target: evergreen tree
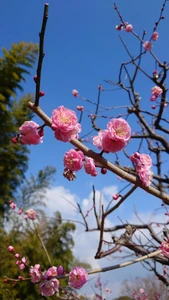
14,66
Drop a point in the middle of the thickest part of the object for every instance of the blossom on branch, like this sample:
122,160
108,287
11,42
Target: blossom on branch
73,160
35,273
115,138
90,167
147,46
77,277
156,92
30,214
29,134
165,249
65,124
155,36
49,287
143,163
128,28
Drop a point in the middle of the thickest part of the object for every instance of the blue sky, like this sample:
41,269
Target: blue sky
82,48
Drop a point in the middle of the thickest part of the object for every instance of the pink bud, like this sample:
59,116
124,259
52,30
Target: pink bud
153,107
17,255
18,262
20,211
5,280
115,196
20,278
100,87
103,170
60,270
128,28
11,249
14,140
75,93
41,94
80,108
153,98
35,78
119,27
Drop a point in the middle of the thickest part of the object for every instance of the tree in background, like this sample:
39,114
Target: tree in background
15,65
144,288
32,240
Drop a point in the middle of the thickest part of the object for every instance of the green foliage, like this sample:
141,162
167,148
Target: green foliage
14,66
57,237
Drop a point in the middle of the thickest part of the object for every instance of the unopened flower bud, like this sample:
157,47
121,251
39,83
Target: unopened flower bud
14,140
75,93
115,196
11,249
60,270
103,170
41,94
20,278
35,78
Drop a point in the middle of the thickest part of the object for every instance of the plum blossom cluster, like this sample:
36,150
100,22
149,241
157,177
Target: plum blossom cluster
21,262
74,160
165,248
65,124
126,26
148,45
142,164
48,282
28,214
115,137
30,134
156,92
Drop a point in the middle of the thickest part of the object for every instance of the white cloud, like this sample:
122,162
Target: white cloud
86,243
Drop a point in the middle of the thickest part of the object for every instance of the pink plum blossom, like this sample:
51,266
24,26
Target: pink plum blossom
111,145
97,140
80,108
119,130
29,134
147,46
31,214
89,166
165,249
143,163
35,273
12,205
146,160
145,176
65,124
155,36
49,287
156,91
51,272
128,28
77,277
115,138
75,93
22,263
73,160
